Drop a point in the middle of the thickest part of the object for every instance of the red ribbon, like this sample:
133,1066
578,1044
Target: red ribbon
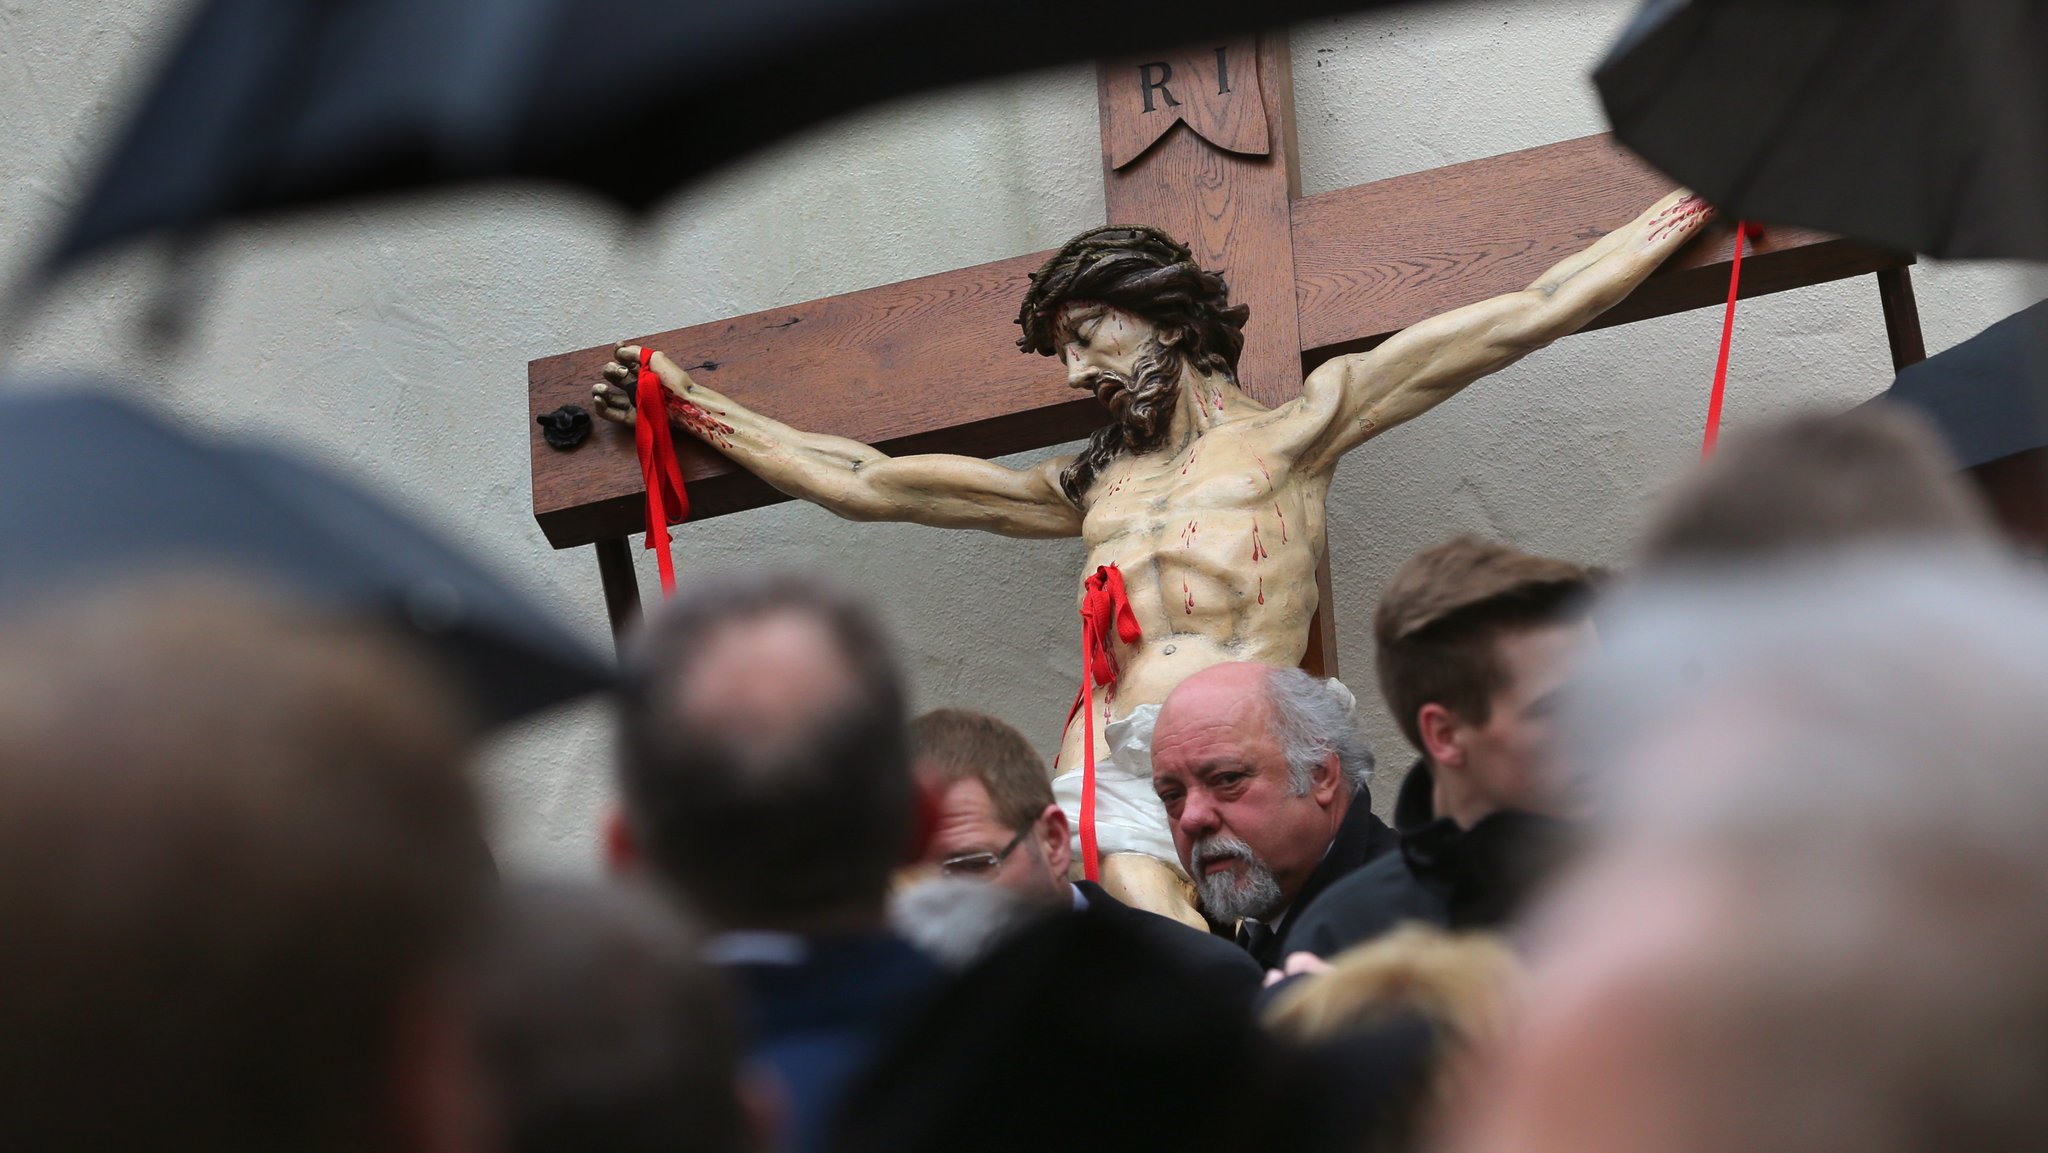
1104,605
668,502
1743,231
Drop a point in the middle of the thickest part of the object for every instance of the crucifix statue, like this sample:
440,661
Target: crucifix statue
1204,493
1207,504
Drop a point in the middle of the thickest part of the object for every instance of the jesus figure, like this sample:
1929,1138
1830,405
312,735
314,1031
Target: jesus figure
1209,504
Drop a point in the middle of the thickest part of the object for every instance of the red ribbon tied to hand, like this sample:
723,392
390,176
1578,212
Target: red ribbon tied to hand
1743,231
1105,606
668,502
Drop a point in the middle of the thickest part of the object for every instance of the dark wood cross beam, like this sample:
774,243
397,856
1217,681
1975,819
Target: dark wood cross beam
1199,143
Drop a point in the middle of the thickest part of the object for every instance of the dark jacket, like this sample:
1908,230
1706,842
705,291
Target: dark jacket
1221,967
820,1016
1453,878
1361,838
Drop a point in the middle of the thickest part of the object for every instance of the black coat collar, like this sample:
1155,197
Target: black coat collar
1486,872
1361,836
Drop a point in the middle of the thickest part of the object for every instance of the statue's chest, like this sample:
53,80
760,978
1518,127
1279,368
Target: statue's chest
1151,495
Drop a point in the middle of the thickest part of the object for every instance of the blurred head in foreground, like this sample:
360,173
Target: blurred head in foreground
1875,476
1819,920
766,767
1454,990
237,851
1460,982
603,1030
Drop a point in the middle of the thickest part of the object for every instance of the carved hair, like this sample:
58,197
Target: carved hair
1147,273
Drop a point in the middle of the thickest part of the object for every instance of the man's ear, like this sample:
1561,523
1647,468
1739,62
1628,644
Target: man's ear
1439,729
1327,780
622,856
1055,839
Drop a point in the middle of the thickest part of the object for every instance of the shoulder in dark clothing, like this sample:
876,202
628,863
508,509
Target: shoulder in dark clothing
1364,905
1219,964
1361,839
1443,875
820,1019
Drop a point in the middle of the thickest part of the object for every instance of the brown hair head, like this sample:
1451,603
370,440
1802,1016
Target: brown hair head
1437,621
236,844
949,745
795,809
604,1029
1813,482
1461,983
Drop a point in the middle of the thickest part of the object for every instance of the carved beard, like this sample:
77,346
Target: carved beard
1151,392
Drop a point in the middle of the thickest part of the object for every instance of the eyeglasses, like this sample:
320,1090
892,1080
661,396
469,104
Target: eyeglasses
983,863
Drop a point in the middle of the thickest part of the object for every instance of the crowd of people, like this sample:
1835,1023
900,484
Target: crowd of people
1735,847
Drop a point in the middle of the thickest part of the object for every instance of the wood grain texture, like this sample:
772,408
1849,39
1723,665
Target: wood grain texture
924,365
1373,259
1231,210
1216,94
1901,318
1234,211
931,365
621,586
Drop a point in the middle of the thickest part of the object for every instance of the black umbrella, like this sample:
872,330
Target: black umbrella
1988,395
1921,125
271,104
97,488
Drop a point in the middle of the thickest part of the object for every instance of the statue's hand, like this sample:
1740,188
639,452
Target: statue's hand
613,396
1685,213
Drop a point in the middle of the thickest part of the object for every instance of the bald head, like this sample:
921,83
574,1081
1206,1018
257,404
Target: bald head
765,682
765,771
1257,767
1216,691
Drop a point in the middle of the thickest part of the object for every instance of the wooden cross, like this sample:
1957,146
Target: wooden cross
1198,142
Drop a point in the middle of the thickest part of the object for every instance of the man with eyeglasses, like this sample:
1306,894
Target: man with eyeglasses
995,820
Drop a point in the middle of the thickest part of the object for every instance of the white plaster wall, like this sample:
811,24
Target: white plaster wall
392,339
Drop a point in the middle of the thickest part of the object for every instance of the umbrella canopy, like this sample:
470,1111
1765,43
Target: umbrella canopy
273,104
1917,124
99,488
1988,395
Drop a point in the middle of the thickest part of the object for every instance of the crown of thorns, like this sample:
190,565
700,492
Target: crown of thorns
1142,271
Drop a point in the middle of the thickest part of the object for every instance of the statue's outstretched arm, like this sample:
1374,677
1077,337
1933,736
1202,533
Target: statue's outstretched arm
846,476
1351,399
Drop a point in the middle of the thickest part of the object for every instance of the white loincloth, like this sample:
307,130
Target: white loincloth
1128,815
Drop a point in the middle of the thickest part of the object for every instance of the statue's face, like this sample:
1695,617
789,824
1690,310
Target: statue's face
1106,351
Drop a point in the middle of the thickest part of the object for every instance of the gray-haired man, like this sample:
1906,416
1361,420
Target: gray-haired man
1263,775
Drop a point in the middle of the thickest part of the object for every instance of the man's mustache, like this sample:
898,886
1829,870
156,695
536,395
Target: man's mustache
1221,848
